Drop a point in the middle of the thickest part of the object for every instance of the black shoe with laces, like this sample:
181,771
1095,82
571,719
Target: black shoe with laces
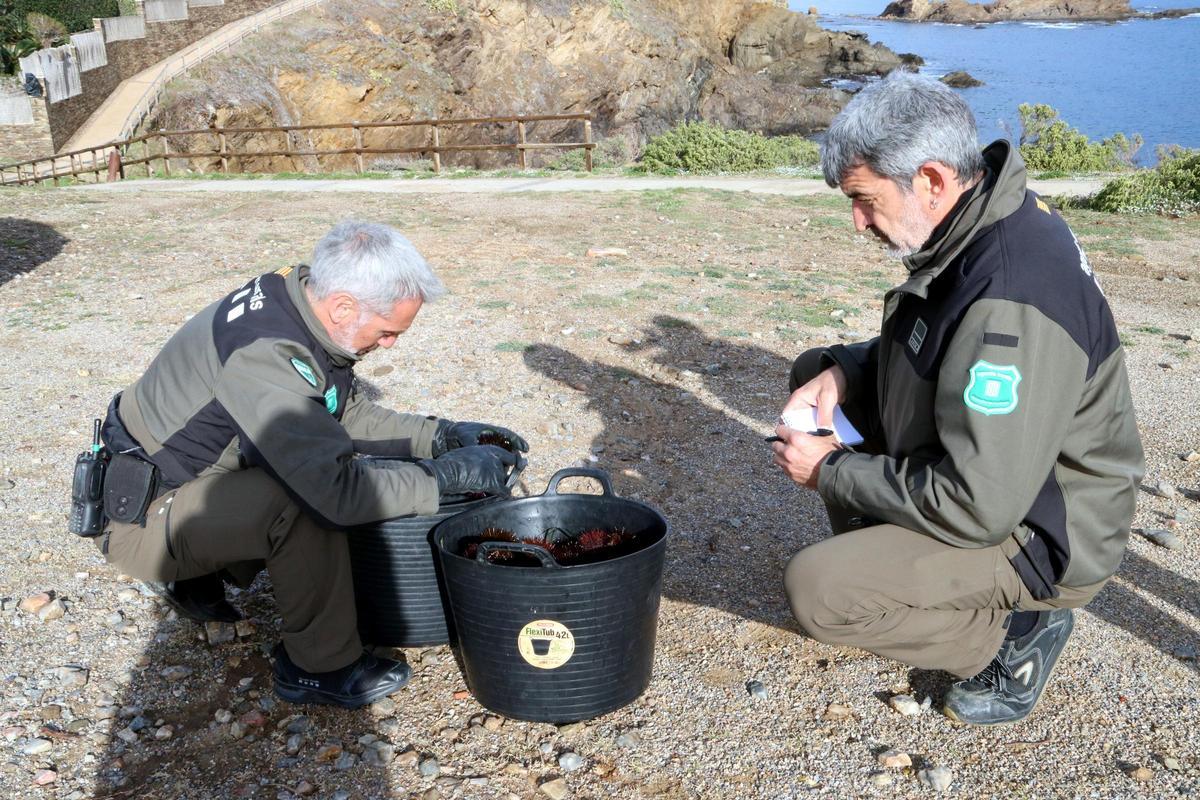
201,599
1008,688
358,684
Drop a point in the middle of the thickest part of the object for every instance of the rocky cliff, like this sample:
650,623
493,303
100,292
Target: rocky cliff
964,12
640,66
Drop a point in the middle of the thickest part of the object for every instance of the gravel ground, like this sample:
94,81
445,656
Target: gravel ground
664,365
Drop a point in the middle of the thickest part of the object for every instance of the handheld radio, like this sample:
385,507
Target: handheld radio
87,489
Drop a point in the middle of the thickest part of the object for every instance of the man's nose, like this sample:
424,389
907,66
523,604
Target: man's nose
862,218
387,341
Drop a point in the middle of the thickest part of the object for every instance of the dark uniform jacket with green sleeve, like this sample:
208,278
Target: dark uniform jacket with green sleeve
1004,404
255,381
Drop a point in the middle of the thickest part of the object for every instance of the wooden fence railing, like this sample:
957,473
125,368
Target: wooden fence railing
111,161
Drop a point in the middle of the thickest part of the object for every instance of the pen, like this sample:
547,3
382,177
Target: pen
817,432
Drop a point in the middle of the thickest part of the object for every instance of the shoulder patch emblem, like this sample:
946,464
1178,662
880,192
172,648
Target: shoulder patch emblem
305,371
284,271
917,338
331,400
992,389
1042,205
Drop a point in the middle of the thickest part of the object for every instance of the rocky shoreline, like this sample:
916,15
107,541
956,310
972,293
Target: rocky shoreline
963,12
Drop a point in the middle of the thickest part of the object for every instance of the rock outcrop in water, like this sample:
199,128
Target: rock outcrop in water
967,13
640,67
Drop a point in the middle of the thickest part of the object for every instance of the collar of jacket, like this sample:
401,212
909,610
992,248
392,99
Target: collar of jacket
1000,193
296,282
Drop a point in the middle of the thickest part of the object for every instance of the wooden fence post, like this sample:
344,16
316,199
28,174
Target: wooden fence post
146,155
437,153
162,134
224,150
358,145
521,144
587,140
116,170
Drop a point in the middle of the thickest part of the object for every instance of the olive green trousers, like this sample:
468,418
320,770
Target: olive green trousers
904,595
241,522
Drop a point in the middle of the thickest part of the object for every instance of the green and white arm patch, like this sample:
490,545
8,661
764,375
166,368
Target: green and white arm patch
305,371
992,389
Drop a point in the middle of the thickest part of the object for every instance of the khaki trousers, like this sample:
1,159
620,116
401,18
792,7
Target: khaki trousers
902,594
242,521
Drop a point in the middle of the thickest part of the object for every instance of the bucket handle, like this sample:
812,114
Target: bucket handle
598,475
540,553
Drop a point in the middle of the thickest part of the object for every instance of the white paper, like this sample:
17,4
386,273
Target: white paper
805,419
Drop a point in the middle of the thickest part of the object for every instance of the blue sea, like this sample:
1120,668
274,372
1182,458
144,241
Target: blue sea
1136,76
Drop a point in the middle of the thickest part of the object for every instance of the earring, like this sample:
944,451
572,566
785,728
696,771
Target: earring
933,203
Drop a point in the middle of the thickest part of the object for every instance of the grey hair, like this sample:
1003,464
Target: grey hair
896,125
372,263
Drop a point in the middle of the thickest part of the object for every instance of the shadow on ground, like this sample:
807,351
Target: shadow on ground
25,245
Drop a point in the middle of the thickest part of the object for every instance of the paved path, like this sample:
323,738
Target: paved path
784,186
136,93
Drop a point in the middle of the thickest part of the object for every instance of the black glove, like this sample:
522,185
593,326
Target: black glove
471,469
453,435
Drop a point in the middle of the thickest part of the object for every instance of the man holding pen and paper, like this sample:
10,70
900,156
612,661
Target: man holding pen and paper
995,487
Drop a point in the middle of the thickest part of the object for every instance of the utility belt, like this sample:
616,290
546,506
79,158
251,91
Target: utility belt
114,480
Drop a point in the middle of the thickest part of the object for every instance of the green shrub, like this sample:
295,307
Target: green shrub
702,147
1049,144
1173,187
610,152
76,15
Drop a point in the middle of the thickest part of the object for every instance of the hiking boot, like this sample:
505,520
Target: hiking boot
201,599
357,684
1008,688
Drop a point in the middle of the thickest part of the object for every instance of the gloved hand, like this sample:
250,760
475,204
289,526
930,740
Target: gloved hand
453,435
471,469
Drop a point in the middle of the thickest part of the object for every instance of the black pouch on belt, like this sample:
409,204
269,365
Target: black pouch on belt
129,487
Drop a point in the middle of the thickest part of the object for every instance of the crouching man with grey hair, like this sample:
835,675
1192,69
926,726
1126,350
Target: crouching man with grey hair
237,449
996,485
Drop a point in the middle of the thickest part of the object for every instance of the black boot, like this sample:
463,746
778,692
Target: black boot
358,684
201,599
1008,688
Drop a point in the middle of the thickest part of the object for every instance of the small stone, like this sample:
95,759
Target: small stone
408,758
429,767
52,611
138,723
223,716
127,735
244,628
620,339
1164,489
905,704
328,753
293,744
629,740
881,779
237,730
606,252
571,761
756,690
1171,763
555,789
299,724
303,789
35,747
431,793
1142,774
71,677
44,777
385,751
35,602
383,708
50,712
894,759
937,778
493,723
1187,652
164,732
837,711
1191,456
176,673
572,728
1162,538
219,632
253,719
344,762
462,694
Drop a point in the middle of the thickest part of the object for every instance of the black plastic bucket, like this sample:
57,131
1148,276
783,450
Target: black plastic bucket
397,586
554,643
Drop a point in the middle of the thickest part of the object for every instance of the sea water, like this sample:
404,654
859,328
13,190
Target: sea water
1134,76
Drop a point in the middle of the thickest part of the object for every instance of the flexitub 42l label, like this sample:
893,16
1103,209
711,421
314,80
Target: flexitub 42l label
546,644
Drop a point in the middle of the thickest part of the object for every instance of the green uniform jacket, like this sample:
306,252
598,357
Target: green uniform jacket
1004,404
255,381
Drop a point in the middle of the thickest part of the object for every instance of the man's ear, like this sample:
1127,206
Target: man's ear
932,178
343,308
